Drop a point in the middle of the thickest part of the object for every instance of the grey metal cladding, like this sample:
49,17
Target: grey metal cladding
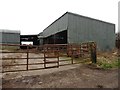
0,37
11,38
82,29
59,25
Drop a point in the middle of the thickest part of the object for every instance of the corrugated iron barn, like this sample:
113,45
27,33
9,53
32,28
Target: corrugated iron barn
74,28
9,36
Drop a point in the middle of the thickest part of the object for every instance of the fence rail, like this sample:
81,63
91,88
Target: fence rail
44,56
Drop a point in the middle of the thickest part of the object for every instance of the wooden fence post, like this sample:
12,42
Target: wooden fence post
93,52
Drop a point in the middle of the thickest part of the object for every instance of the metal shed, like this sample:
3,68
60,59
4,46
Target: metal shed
28,38
9,36
74,28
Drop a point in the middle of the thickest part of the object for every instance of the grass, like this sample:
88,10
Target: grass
108,63
104,61
10,48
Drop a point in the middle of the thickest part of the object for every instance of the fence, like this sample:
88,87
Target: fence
44,56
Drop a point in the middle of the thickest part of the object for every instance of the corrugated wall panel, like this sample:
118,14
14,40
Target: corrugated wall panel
0,37
11,38
57,26
81,29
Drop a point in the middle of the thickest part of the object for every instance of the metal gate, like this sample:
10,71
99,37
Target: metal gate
44,56
51,56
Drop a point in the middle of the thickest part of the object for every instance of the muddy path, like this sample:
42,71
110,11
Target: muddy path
80,77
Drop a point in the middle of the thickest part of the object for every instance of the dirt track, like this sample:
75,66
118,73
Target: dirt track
79,77
71,76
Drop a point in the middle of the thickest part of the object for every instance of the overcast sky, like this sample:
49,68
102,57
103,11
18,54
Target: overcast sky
119,16
33,16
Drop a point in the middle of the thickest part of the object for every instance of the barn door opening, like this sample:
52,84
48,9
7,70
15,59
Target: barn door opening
58,38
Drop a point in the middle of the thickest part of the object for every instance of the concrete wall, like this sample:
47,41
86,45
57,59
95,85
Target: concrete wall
83,29
10,37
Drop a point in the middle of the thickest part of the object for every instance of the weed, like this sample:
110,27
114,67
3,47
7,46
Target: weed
108,65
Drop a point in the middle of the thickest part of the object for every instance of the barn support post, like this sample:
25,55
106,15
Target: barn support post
54,39
93,52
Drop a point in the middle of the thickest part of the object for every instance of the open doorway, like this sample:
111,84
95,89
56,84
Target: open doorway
29,39
58,38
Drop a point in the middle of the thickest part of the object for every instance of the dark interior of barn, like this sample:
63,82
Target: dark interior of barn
27,38
58,38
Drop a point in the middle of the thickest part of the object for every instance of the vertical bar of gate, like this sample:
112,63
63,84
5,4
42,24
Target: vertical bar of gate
44,56
58,55
27,56
80,51
72,54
